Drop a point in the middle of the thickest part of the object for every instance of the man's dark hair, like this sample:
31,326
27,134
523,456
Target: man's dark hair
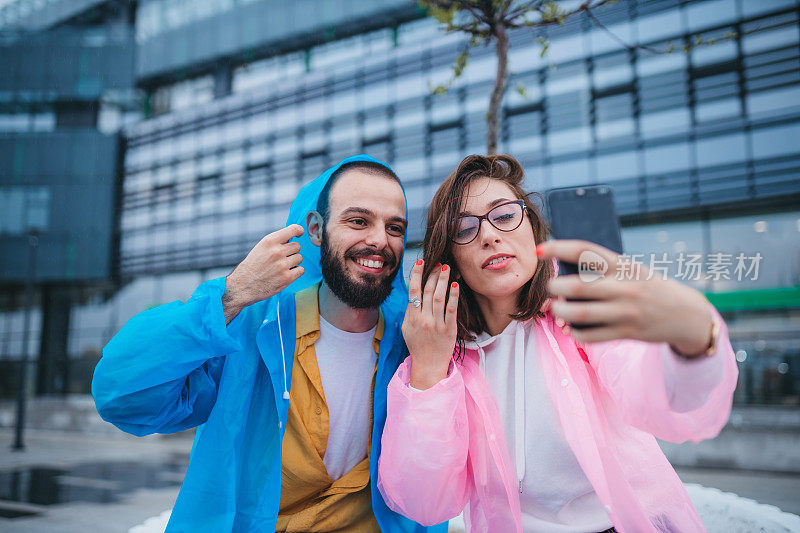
323,202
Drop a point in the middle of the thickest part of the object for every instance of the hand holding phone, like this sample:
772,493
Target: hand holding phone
584,213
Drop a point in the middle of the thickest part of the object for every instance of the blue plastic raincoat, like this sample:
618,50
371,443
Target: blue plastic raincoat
179,365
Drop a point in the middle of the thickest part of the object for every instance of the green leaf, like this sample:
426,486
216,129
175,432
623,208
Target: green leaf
551,12
461,63
442,13
438,89
545,44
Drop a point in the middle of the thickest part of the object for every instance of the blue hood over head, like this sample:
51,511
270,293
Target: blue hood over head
305,202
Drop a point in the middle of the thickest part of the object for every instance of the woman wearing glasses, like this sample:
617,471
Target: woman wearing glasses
531,425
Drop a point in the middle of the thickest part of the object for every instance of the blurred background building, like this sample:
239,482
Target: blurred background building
151,144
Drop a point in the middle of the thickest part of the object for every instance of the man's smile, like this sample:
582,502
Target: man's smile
372,264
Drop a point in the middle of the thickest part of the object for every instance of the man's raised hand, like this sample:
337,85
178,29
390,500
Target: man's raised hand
271,266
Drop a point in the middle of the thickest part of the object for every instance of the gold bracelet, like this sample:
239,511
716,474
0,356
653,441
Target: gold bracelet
712,343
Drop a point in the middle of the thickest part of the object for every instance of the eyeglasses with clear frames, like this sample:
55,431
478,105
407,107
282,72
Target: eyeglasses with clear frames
505,217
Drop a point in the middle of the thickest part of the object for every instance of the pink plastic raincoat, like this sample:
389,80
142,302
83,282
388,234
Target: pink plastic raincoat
444,448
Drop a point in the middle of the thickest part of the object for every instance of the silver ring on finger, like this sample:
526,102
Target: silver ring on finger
416,302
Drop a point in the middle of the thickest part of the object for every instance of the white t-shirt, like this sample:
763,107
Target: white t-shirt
556,494
346,365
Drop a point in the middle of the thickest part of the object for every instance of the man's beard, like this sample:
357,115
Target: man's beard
366,293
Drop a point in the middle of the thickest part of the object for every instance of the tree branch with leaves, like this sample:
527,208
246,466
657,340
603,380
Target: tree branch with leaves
487,22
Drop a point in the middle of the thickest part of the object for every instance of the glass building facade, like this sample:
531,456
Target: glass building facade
699,147
63,94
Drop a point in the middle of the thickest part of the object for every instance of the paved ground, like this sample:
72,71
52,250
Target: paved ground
112,483
101,477
780,490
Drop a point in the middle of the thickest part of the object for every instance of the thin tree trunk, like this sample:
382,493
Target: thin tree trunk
499,89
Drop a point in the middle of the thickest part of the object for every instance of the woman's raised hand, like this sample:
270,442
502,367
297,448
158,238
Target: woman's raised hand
429,327
634,305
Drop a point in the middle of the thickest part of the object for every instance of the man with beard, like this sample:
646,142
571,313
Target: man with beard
282,365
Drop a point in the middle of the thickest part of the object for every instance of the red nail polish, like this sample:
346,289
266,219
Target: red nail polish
419,262
438,265
455,285
538,250
444,268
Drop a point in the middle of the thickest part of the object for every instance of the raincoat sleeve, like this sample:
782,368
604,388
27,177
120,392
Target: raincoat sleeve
674,400
422,470
160,372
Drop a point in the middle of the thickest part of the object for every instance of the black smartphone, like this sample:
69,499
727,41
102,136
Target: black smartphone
584,212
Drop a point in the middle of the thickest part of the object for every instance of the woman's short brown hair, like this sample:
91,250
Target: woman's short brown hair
442,221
